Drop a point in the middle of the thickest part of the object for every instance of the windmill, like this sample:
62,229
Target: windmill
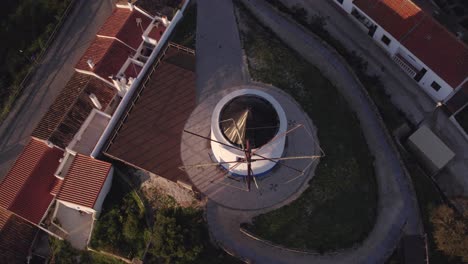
249,127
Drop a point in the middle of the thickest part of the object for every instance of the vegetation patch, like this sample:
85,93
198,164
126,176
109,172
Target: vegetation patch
180,235
339,208
121,228
25,28
185,32
62,252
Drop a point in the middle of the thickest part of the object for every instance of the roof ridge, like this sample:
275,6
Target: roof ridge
70,107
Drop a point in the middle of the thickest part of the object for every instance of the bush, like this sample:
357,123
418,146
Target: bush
121,229
177,235
450,231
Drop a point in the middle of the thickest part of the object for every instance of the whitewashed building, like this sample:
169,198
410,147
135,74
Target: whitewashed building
424,49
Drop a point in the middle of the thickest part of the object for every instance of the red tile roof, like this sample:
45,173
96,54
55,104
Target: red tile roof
150,135
16,237
122,24
397,17
132,70
84,181
440,50
157,32
422,35
56,186
71,108
108,55
27,186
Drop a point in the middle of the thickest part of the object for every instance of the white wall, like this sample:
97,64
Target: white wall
104,191
77,207
347,5
394,47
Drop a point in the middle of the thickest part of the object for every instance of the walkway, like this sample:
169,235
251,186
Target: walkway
404,92
396,199
51,76
219,54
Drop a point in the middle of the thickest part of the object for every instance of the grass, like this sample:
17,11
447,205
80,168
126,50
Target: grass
339,208
121,228
27,25
462,118
185,33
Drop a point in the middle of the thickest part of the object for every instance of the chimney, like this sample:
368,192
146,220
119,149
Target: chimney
90,63
95,101
165,21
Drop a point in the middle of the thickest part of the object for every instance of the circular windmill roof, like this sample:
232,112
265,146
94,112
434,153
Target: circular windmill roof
249,117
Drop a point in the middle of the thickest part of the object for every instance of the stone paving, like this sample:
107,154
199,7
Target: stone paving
279,185
219,54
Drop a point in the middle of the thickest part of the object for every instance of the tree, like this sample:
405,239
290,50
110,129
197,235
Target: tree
450,231
177,235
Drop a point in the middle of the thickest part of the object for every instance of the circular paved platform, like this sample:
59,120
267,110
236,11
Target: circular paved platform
274,187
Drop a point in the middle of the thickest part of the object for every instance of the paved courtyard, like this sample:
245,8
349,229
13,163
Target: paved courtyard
78,226
279,185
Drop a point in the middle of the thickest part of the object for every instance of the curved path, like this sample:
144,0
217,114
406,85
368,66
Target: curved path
397,205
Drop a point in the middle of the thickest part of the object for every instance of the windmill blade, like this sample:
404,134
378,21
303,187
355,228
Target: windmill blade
202,165
225,176
279,136
277,162
255,181
207,138
302,173
289,158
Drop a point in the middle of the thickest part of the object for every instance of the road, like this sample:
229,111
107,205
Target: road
219,54
52,74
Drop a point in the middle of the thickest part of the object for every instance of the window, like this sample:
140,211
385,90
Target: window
435,86
386,40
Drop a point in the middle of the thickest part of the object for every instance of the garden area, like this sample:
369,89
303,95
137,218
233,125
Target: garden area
121,228
339,208
156,231
26,26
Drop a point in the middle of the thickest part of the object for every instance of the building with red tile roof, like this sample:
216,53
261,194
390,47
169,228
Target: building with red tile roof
16,237
424,49
127,26
26,189
72,106
396,16
104,58
85,182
